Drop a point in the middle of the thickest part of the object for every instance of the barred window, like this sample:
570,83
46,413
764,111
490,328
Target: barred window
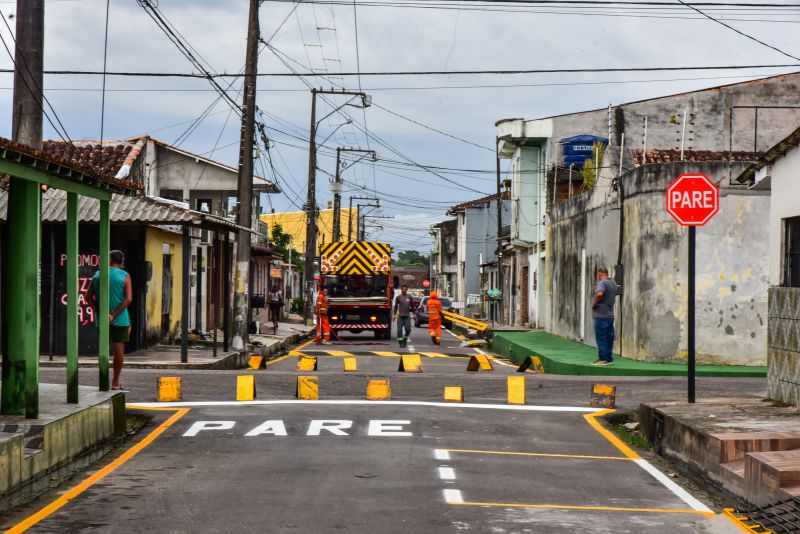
791,252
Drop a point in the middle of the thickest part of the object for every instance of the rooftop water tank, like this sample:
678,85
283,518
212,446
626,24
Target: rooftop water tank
578,148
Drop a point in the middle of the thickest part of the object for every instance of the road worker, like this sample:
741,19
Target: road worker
434,306
323,326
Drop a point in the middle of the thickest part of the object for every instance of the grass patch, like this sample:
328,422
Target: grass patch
631,437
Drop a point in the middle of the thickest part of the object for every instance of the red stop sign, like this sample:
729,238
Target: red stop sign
425,283
692,199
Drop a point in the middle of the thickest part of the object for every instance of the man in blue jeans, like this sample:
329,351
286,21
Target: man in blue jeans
603,315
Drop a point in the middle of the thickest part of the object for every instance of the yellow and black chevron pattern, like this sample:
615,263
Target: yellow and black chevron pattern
355,257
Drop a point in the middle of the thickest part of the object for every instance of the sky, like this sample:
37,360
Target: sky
416,122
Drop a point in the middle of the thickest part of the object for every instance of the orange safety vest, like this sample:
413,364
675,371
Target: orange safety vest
434,309
322,305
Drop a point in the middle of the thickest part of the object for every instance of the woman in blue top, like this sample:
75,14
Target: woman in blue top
120,295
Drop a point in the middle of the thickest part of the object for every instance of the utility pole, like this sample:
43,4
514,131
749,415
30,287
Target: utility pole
337,190
241,304
311,200
499,229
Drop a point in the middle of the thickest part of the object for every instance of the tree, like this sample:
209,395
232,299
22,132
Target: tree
282,242
411,258
589,172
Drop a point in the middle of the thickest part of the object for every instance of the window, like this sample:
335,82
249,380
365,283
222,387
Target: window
791,252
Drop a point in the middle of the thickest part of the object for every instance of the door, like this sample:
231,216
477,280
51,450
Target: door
166,291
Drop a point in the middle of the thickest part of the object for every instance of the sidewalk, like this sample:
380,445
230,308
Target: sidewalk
564,357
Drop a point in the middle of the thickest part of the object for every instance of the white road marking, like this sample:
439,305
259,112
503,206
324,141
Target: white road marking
441,454
453,496
672,486
447,473
501,362
457,406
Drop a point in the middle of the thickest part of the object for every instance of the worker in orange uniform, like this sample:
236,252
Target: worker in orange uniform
434,306
323,326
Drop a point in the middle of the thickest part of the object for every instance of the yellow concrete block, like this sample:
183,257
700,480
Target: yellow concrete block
307,388
532,364
350,363
379,390
516,390
307,363
453,394
603,396
169,389
479,361
255,362
245,388
410,363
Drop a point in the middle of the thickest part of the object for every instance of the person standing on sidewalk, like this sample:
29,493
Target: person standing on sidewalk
402,314
120,295
603,316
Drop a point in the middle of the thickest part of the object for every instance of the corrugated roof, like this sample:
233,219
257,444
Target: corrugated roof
790,141
673,155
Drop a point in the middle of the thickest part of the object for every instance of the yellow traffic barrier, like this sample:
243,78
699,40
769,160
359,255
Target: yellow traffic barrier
472,323
350,364
168,389
479,361
307,388
255,362
307,363
516,390
245,388
603,396
379,390
410,363
532,364
453,394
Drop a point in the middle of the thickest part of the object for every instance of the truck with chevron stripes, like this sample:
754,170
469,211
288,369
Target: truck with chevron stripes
358,275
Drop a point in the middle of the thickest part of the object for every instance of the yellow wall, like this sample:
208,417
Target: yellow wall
154,246
294,224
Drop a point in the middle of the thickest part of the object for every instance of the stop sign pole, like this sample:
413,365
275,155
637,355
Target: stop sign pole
692,200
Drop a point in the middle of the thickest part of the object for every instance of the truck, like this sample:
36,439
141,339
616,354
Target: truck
358,276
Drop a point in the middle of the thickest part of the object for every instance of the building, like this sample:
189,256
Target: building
294,224
476,242
444,257
778,171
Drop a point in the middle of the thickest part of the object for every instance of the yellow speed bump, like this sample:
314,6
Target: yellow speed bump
169,389
479,361
453,394
516,390
255,362
379,390
350,364
410,363
245,388
307,363
532,364
307,388
603,396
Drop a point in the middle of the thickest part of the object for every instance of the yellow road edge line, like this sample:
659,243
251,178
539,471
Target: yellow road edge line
542,454
73,493
387,354
615,441
588,508
738,520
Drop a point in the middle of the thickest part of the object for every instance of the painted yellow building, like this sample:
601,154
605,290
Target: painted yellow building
163,251
294,224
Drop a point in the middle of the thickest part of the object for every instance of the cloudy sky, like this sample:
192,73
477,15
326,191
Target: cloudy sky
402,125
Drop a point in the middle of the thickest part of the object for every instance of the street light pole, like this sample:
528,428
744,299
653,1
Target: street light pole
337,190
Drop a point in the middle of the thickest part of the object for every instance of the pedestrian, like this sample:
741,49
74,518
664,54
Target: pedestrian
434,306
402,314
120,295
603,316
323,326
275,302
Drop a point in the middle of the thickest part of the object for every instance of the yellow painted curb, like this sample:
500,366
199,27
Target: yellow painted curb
307,388
531,364
379,390
168,389
516,390
479,361
307,363
741,521
245,388
350,364
453,394
410,363
603,396
255,362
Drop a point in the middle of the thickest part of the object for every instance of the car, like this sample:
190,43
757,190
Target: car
421,317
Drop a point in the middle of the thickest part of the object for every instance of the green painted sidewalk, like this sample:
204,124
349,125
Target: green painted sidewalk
561,356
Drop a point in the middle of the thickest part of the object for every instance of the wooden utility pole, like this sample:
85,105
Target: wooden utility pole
241,304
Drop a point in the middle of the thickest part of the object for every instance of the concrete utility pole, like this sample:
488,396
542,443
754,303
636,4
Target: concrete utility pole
337,189
26,120
241,304
499,229
311,200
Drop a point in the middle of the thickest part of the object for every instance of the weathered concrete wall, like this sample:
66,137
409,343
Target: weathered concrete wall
732,267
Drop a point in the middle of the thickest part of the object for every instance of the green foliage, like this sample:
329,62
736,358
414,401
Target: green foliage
411,258
297,305
282,240
589,172
631,437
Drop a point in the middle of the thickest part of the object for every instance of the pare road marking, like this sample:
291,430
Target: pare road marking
393,428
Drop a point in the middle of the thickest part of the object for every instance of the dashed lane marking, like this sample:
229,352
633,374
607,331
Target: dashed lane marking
539,454
441,454
447,473
452,496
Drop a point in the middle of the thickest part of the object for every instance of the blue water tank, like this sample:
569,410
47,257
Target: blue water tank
578,148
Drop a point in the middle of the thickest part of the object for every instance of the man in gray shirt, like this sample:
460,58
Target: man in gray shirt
603,316
402,313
